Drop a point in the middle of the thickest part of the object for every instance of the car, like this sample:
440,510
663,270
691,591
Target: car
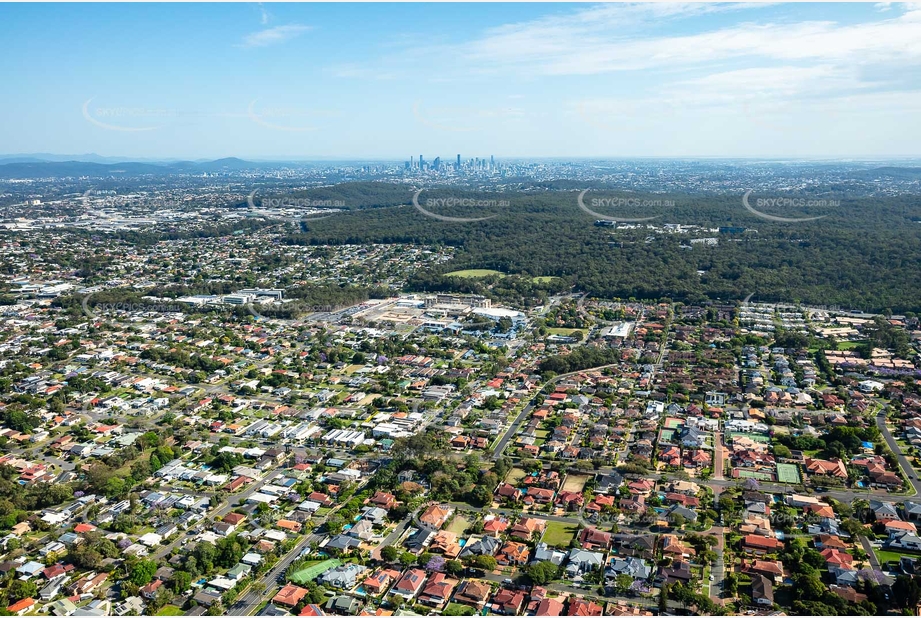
711,578
506,581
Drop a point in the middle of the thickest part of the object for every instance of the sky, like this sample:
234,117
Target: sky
390,81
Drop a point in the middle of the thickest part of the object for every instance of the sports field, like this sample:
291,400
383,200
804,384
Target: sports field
754,474
755,437
474,273
788,473
313,570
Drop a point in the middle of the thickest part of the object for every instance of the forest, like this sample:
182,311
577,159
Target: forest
863,254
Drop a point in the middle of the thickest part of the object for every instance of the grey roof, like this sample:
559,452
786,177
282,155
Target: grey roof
343,542
486,545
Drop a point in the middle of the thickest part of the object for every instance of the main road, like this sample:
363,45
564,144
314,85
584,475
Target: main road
907,468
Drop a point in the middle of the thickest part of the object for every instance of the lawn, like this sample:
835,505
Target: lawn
456,609
459,525
543,279
575,482
566,332
474,273
885,556
515,475
170,610
560,534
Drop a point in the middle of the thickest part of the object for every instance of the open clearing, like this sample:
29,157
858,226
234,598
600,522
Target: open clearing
474,273
575,482
515,475
560,534
566,332
459,525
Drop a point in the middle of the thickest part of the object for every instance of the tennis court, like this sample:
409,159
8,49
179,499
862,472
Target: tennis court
788,473
752,474
755,437
310,573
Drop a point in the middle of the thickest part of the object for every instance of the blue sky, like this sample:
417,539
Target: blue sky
513,80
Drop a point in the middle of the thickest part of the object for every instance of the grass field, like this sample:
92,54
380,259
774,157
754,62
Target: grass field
543,279
170,610
575,482
788,473
559,534
566,332
885,556
474,273
459,525
515,475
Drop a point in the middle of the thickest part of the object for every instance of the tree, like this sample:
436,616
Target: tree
180,581
21,589
622,583
454,568
782,451
731,584
542,573
487,563
142,572
390,553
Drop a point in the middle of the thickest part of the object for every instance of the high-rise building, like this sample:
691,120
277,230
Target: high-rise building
437,163
492,161
458,162
421,163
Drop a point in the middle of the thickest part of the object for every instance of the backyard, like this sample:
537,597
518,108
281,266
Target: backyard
560,534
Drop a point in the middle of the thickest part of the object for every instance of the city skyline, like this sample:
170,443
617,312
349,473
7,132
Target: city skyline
521,81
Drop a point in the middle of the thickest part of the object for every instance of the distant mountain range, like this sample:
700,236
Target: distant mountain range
32,167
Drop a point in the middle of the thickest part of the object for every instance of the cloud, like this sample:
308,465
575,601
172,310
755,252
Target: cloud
611,39
264,14
273,36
